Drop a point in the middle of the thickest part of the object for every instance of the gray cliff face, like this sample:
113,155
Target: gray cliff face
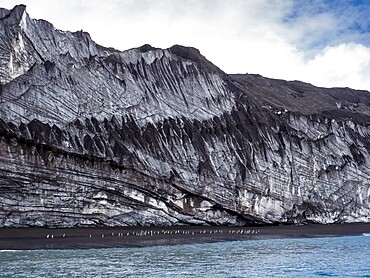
95,136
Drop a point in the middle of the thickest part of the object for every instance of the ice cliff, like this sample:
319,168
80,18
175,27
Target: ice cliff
91,135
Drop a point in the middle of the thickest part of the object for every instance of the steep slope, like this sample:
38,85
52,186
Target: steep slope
95,136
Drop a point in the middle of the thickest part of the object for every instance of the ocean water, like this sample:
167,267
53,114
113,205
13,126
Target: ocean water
300,257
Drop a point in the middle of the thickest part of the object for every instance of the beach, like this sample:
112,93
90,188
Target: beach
124,237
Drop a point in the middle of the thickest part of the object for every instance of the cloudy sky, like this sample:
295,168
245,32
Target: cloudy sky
326,43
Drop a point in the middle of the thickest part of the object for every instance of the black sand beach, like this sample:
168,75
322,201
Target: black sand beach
107,237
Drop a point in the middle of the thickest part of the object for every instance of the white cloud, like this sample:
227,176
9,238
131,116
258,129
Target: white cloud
279,39
346,64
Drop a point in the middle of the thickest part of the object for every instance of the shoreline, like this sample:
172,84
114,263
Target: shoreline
127,237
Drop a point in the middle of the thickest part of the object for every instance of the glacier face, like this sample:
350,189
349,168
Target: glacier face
95,136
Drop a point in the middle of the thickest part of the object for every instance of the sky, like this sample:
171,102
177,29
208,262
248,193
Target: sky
323,42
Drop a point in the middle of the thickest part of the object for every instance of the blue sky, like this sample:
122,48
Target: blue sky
341,21
326,43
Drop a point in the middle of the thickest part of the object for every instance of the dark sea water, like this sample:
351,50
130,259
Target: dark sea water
301,257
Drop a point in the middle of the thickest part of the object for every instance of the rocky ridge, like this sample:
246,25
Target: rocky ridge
93,136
